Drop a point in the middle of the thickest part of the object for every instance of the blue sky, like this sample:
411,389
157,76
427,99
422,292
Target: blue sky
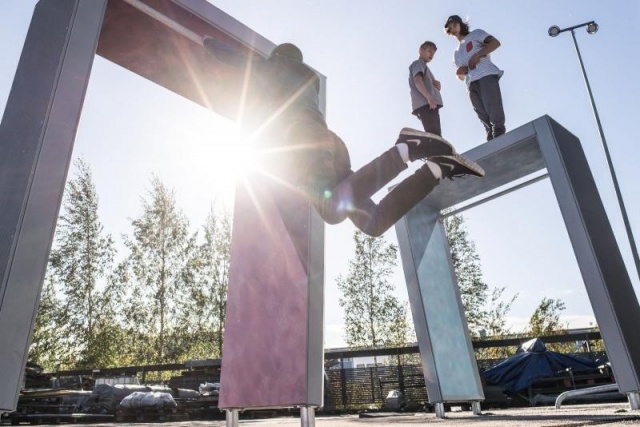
130,128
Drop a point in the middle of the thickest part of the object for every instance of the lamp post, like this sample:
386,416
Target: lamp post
592,27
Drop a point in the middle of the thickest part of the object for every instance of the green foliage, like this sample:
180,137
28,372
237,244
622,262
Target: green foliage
159,250
373,316
545,320
495,325
484,307
47,348
163,302
207,275
595,345
466,263
79,265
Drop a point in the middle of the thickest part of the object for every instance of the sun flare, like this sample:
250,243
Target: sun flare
213,155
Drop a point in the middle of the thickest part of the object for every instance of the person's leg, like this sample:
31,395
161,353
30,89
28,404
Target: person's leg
336,191
374,219
357,187
323,170
492,101
475,96
430,119
436,121
354,187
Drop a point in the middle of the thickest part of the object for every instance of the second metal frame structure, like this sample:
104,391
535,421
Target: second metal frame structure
433,292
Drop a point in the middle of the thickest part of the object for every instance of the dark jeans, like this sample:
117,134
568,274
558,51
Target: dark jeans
337,192
430,119
486,100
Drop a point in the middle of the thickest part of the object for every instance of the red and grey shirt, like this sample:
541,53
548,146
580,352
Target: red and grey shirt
472,43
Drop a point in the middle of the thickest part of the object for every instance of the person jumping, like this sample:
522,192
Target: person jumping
281,108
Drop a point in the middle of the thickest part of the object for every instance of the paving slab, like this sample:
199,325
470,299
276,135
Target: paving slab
612,414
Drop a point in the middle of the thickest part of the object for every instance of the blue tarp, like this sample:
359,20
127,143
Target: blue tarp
532,362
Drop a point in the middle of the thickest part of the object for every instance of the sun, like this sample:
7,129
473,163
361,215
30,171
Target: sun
233,153
212,155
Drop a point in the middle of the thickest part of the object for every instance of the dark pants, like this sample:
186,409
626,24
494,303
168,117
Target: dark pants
430,119
337,192
486,100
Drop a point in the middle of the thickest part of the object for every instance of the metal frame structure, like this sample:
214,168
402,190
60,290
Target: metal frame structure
152,38
441,328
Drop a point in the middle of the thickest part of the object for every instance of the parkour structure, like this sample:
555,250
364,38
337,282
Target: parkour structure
273,343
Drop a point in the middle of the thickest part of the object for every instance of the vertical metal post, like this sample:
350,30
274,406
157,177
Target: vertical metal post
634,400
623,210
36,141
343,387
448,361
606,278
439,408
475,407
275,300
373,385
307,416
232,418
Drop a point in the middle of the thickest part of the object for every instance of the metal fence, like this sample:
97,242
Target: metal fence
358,388
368,387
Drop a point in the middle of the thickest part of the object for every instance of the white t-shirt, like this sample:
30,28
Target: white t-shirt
472,43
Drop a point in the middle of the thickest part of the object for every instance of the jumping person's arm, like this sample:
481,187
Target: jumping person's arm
227,54
490,44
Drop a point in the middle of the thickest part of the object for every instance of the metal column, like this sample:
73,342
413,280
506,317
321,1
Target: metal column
36,141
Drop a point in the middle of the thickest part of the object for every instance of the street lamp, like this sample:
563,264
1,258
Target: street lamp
592,27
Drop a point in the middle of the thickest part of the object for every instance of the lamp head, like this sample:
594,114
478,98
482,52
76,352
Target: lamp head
592,27
554,30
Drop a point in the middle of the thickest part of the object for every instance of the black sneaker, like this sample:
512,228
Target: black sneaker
456,166
424,145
